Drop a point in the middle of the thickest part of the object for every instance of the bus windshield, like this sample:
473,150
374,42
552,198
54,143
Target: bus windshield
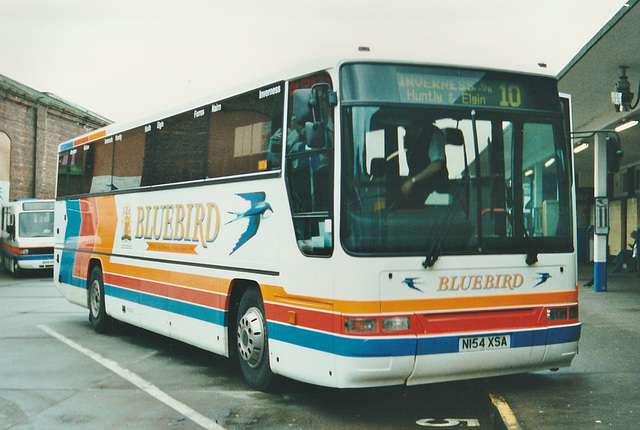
503,185
36,224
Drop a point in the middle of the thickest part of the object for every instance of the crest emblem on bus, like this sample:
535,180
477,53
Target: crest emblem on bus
254,214
126,223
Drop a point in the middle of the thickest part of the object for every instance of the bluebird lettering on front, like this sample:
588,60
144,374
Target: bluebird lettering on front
480,282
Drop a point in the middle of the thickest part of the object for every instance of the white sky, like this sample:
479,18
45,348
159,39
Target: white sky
125,59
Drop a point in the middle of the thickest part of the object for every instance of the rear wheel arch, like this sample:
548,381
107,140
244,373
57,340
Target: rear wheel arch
100,320
94,262
236,290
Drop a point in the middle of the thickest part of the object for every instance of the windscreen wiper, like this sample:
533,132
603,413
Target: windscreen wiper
532,252
474,128
436,250
436,247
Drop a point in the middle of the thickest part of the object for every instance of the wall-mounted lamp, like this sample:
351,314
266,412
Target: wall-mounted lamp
622,97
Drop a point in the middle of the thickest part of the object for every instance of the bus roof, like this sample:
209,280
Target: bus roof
472,59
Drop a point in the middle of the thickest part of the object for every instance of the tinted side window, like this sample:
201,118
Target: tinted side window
101,154
245,133
76,169
129,153
63,173
309,171
176,149
237,136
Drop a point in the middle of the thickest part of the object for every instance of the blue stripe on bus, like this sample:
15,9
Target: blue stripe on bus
402,346
564,334
299,336
76,282
74,221
7,254
520,339
210,315
35,257
65,145
344,346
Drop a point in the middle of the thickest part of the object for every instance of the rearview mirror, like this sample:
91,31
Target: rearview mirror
307,110
314,135
302,105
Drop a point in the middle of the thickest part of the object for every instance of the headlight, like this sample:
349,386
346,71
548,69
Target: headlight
396,324
556,314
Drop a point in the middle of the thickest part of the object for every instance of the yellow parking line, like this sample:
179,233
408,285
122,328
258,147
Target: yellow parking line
506,414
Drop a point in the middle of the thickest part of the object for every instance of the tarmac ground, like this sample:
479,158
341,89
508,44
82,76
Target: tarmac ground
601,389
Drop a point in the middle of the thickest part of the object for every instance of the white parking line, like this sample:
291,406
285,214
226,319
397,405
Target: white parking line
136,380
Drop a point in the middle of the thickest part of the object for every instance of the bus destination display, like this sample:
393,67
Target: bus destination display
476,89
447,86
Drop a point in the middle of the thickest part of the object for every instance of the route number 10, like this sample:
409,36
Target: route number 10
511,96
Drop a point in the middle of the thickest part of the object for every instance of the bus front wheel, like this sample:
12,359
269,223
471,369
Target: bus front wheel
16,269
252,340
97,313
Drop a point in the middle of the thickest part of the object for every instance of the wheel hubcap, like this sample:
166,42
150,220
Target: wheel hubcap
251,337
95,298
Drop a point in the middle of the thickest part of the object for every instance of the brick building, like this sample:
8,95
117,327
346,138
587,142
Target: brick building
32,125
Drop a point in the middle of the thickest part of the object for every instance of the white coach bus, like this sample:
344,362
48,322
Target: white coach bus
292,224
27,235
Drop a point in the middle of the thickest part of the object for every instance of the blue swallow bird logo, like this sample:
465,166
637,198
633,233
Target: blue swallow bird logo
412,283
543,277
255,213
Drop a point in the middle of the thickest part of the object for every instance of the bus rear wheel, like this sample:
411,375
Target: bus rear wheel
97,314
252,340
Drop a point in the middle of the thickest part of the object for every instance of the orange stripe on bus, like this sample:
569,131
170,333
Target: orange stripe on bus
98,135
424,305
81,140
483,302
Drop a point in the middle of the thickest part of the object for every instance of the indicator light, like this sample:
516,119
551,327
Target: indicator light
360,325
573,313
